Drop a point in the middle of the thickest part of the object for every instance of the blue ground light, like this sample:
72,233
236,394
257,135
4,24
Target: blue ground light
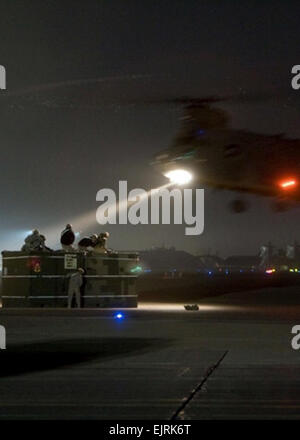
119,316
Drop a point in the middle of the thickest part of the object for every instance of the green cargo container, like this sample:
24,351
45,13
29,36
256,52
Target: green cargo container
41,279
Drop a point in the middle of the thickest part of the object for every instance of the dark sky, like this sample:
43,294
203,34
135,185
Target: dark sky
55,158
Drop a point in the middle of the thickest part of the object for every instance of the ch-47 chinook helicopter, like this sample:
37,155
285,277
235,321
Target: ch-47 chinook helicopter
206,149
209,152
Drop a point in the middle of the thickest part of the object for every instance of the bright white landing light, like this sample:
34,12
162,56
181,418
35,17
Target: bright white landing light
180,177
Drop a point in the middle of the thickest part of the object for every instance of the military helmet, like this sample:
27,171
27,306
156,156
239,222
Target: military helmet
104,234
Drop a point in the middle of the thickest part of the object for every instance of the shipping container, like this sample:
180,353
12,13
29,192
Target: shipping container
41,279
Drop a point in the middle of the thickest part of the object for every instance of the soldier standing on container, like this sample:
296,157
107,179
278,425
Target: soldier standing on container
45,248
75,283
101,245
34,242
87,243
67,238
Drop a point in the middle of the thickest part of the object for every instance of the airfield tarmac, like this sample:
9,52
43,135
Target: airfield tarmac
231,359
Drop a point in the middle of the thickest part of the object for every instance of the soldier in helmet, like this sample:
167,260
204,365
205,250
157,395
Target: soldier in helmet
45,248
101,245
88,243
67,238
34,242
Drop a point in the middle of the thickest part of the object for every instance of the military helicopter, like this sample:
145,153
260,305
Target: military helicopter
208,152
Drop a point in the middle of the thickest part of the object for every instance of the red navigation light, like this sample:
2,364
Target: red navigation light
286,184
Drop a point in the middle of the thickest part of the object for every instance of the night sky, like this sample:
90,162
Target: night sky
60,145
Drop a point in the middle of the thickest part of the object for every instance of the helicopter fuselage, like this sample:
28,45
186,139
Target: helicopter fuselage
237,160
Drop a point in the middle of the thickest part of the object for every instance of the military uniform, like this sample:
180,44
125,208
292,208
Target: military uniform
34,242
67,239
86,242
100,246
75,283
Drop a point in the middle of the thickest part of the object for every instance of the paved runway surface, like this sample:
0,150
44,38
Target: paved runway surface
232,359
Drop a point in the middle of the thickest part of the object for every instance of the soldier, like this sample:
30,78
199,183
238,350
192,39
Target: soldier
75,283
87,243
34,242
100,246
44,247
67,238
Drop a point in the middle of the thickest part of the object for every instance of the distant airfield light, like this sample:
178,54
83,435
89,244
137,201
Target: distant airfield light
179,177
288,184
270,271
136,269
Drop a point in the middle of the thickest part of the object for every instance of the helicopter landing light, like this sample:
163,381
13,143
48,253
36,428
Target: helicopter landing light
180,177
